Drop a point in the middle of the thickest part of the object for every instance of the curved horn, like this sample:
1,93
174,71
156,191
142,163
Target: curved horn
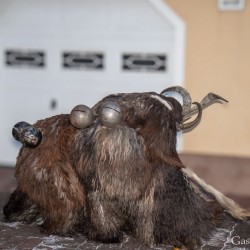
187,111
186,107
185,97
187,127
208,100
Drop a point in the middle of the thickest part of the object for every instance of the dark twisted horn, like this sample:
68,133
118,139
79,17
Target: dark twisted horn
208,100
188,111
186,98
186,127
186,107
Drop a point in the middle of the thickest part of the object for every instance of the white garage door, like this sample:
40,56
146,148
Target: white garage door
57,54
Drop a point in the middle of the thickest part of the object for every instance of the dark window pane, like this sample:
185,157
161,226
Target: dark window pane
83,60
144,62
25,58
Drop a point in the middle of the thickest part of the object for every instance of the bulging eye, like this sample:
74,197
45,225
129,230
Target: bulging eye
110,114
27,134
81,116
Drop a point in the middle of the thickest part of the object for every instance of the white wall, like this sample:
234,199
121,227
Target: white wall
110,27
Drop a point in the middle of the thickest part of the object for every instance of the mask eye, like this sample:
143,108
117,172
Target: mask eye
81,116
28,135
110,114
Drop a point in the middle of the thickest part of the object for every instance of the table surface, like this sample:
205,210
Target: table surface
23,236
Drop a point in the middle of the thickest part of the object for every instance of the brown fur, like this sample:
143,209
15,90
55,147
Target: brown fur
132,174
104,181
47,176
210,193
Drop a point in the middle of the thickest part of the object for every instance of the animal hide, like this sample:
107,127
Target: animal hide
47,177
104,181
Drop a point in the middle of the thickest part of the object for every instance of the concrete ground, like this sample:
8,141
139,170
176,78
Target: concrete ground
228,174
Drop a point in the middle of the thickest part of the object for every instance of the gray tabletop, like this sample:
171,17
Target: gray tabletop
232,235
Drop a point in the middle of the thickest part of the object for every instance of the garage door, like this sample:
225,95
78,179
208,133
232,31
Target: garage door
57,54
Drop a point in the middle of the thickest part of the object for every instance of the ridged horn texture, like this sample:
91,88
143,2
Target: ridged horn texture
186,127
208,100
188,110
186,107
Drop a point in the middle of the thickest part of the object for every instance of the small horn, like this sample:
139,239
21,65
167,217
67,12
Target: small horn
187,127
186,107
208,100
188,111
187,101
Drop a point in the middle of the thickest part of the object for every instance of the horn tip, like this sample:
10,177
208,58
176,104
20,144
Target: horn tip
218,97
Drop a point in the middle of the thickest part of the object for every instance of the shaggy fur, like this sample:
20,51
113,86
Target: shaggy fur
136,178
104,181
20,208
46,176
210,193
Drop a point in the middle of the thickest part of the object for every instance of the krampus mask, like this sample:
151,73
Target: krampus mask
114,168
